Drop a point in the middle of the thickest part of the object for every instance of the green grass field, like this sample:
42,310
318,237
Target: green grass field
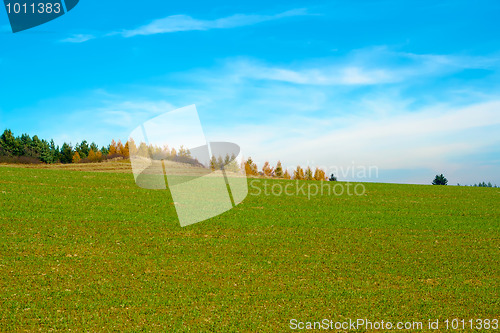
91,251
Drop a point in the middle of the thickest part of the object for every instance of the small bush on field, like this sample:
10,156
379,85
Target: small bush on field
440,180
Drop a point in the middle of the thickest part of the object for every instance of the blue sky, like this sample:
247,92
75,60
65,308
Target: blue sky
411,87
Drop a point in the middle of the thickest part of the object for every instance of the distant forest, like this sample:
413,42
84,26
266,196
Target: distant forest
27,149
33,150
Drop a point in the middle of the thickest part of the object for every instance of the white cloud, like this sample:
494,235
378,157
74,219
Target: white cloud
429,138
177,23
363,67
78,38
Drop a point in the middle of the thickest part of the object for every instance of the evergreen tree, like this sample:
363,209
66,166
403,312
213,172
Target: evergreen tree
82,149
440,180
66,155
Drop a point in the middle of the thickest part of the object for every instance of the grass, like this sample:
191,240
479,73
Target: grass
91,251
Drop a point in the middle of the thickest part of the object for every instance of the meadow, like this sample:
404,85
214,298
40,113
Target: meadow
90,251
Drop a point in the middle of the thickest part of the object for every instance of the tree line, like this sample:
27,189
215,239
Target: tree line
298,173
27,149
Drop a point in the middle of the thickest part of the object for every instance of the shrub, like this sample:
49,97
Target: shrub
440,180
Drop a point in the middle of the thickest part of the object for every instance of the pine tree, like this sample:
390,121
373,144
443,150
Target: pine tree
66,155
440,180
76,157
279,170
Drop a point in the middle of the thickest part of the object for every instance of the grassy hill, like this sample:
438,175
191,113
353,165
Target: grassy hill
91,251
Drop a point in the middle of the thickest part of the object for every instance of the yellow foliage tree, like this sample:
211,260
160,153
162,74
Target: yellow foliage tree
120,148
298,173
251,168
278,172
286,175
126,150
132,147
319,174
113,148
308,175
98,156
92,156
268,170
76,157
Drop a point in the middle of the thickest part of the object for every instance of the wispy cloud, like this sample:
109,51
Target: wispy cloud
362,67
177,23
78,38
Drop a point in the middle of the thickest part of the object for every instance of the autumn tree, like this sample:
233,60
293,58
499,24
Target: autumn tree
267,169
126,150
92,156
76,157
278,171
113,149
120,149
298,173
132,148
251,167
98,156
286,175
308,174
184,152
231,164
319,174
213,163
